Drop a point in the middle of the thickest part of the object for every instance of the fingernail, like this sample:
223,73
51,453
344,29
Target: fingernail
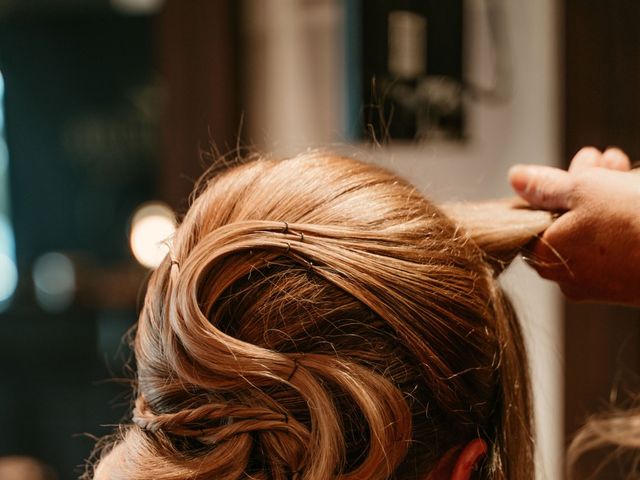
519,177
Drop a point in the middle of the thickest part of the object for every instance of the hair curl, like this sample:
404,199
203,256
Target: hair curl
318,319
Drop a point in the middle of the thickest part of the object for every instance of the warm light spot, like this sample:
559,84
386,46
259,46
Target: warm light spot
151,228
137,7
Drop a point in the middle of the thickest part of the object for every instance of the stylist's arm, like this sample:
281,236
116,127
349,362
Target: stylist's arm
593,249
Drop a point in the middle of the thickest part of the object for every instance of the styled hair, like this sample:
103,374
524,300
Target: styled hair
318,318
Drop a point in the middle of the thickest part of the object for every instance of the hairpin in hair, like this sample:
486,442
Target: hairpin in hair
286,227
175,262
293,370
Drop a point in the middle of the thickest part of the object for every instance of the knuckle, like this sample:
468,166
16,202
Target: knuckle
584,177
546,197
579,185
539,190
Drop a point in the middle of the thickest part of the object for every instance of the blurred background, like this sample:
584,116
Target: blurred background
109,110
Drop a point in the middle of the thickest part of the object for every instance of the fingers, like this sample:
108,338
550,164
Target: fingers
551,265
615,159
589,157
543,187
551,188
545,259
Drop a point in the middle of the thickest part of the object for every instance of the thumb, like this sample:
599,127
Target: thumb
543,187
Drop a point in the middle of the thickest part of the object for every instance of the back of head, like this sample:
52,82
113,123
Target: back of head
318,318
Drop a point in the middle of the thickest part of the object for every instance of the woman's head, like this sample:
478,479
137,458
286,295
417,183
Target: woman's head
318,318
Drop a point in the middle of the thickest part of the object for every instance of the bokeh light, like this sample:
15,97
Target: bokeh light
54,279
8,279
137,7
8,270
152,226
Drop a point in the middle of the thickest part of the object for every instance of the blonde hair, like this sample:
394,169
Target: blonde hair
616,432
318,318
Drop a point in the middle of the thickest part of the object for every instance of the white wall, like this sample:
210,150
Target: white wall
293,108
293,73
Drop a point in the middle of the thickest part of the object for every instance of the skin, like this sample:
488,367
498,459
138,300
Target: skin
459,464
592,250
108,463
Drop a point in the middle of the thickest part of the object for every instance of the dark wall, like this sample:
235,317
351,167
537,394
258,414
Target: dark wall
104,111
82,128
602,74
82,141
602,107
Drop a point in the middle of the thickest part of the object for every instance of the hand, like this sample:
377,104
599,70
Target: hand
593,249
